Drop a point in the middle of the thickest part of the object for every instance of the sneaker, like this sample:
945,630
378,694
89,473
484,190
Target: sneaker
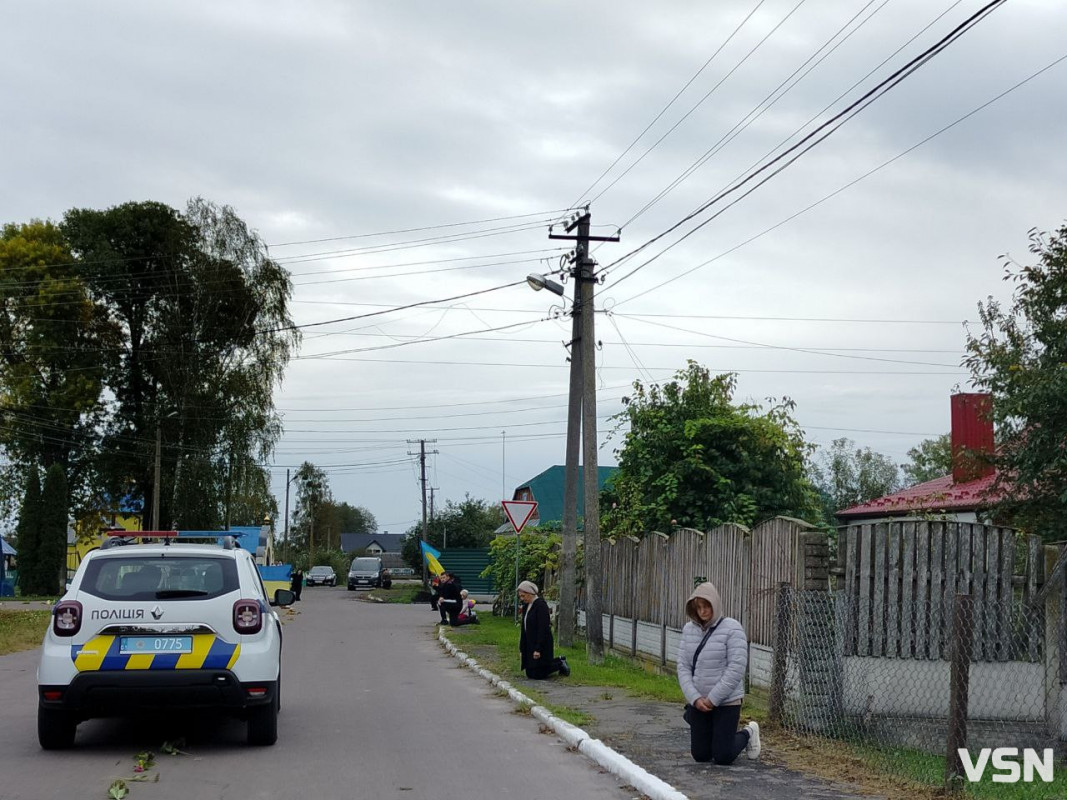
475,621
564,667
752,750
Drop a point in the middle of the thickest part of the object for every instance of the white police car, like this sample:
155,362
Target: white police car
149,627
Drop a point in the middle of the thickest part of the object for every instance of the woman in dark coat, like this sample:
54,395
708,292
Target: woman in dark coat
535,637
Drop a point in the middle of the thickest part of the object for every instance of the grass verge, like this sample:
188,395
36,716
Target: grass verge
19,599
22,630
899,774
496,640
397,594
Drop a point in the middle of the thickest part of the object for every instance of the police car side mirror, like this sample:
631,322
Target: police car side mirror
283,597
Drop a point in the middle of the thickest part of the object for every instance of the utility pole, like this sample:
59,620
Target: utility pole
582,411
432,490
156,488
229,489
422,480
288,549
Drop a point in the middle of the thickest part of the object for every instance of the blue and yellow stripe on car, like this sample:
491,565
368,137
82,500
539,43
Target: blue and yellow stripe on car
101,654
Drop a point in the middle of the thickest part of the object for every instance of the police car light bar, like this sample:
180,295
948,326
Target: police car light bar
137,534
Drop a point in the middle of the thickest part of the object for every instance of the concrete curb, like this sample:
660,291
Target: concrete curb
574,737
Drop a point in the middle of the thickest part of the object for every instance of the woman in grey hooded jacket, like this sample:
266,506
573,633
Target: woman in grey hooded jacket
712,657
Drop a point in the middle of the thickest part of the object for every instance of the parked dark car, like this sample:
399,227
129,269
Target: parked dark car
368,571
321,576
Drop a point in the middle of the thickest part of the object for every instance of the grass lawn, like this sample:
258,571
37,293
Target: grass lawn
22,630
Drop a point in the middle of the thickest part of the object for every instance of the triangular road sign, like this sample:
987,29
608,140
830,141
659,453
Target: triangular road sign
519,512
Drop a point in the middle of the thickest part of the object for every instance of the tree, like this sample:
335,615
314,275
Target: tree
848,475
312,496
694,458
205,336
28,536
57,347
251,499
931,458
355,519
1019,355
52,547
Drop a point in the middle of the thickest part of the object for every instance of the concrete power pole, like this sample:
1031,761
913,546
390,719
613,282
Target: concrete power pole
422,479
422,469
581,416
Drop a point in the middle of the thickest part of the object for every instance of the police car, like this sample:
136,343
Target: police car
148,627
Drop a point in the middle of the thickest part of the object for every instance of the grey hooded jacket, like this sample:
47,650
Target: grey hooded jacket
720,668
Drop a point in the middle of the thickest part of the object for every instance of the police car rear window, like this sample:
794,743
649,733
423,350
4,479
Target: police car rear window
170,578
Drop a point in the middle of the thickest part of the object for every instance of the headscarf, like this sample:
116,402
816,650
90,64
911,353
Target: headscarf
529,587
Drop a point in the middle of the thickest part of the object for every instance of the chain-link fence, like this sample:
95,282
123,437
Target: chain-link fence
912,687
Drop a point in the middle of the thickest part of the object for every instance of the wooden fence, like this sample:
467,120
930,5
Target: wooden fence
649,580
901,578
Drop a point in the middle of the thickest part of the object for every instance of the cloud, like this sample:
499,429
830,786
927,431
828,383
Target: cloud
333,119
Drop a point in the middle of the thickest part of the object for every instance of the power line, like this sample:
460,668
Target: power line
841,189
694,108
168,256
664,110
526,365
808,142
788,348
749,317
766,104
419,340
631,344
391,310
423,228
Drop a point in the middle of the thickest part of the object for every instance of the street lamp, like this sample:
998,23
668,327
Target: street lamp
538,282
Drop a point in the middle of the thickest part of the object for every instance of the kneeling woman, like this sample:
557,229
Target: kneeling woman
712,657
535,638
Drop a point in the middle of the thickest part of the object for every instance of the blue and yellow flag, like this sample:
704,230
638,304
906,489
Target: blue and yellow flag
430,555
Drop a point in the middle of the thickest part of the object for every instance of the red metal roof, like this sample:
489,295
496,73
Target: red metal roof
940,494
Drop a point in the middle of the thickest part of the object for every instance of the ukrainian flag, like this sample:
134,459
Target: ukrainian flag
430,555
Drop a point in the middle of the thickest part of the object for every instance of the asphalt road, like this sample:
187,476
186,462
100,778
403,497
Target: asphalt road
371,708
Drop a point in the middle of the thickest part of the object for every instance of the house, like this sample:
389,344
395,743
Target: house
372,543
965,495
88,531
547,489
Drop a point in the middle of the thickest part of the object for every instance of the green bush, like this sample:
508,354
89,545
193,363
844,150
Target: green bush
540,553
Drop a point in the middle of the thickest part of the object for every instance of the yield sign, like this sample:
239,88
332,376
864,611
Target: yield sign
519,512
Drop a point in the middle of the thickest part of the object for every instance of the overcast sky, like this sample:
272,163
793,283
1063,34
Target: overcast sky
344,121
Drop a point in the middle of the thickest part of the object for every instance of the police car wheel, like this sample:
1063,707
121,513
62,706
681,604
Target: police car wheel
263,724
55,729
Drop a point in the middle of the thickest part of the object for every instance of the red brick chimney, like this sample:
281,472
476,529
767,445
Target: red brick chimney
972,436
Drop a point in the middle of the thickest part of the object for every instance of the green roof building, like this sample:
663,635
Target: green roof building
547,490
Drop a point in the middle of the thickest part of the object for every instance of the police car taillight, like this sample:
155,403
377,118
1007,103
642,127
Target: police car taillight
67,618
247,616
